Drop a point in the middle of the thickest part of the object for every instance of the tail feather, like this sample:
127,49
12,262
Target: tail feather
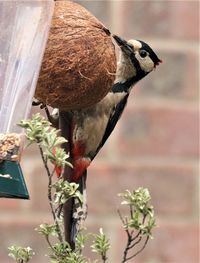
79,213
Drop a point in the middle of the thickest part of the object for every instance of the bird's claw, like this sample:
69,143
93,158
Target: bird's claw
52,117
36,102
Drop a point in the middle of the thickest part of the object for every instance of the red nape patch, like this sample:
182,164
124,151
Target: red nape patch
80,166
78,150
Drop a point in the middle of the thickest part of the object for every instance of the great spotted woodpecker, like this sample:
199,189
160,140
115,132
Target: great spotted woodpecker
91,127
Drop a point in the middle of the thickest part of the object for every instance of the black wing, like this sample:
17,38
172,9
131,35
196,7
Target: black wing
116,114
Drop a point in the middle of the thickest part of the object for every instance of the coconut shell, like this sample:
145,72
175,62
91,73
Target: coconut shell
79,61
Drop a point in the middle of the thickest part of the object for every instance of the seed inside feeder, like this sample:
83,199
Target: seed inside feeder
9,146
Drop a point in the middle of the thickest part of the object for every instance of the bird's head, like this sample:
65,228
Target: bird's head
137,58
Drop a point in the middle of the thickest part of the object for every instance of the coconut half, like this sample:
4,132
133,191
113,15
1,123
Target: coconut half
79,63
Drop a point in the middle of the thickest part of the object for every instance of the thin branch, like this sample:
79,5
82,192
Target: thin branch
120,216
124,222
58,210
131,211
126,250
50,189
104,258
147,239
44,161
127,245
50,193
143,221
134,238
129,240
49,243
134,244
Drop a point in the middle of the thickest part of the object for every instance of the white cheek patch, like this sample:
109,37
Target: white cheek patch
135,43
146,63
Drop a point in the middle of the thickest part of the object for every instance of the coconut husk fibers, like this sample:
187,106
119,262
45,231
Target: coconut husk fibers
79,60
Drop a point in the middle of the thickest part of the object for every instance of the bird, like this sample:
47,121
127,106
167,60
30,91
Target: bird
91,127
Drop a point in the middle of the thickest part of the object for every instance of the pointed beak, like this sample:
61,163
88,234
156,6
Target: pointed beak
123,44
158,63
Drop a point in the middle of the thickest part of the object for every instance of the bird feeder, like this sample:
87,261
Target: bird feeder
24,30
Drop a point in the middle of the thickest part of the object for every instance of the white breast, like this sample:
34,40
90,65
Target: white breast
90,124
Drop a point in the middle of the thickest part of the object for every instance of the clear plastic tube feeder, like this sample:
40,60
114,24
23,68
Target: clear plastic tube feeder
24,27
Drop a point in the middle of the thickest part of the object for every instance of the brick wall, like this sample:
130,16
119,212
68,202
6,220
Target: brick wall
155,144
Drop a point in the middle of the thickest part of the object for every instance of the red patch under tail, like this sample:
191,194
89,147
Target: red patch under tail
80,166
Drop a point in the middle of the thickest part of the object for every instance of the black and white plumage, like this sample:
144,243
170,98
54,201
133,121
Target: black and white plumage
91,127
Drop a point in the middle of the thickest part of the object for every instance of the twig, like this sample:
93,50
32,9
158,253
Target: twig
129,240
143,221
138,250
121,217
134,238
49,243
50,193
128,235
131,210
104,258
58,210
134,244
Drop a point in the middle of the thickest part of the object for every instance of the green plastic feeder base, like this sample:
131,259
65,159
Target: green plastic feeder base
13,187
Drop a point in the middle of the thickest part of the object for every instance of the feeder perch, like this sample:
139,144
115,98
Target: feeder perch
24,30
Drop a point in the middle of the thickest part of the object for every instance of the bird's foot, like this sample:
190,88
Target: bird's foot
36,102
52,117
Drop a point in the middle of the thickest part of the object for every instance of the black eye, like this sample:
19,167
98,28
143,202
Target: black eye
143,53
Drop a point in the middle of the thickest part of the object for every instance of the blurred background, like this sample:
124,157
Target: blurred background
155,144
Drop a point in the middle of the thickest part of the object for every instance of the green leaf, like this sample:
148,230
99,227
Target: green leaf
65,190
62,253
101,244
81,239
47,229
20,254
141,216
138,199
38,130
